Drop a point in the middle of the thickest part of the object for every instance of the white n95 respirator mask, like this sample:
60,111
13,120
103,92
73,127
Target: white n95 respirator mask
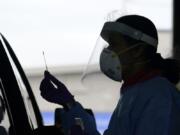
110,64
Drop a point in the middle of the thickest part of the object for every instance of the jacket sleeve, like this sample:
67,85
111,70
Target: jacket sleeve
154,118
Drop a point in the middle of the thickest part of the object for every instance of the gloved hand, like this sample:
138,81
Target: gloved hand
54,91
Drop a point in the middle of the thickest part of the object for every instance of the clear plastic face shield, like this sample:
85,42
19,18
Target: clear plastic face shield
93,77
104,67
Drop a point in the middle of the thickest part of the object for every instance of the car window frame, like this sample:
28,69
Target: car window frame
25,81
12,91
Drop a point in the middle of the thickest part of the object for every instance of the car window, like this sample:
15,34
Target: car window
32,110
26,97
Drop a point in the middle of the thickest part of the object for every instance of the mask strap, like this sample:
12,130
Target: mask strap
129,48
143,62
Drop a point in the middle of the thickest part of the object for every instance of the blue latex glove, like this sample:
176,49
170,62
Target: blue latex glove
55,91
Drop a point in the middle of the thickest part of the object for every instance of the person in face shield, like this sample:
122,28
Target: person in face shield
150,102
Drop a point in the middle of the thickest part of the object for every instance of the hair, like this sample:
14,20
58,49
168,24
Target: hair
170,68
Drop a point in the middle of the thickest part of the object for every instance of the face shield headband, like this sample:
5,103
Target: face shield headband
128,31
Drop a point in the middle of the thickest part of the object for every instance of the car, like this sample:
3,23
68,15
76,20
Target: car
19,111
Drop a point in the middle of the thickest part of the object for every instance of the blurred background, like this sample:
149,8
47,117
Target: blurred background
67,31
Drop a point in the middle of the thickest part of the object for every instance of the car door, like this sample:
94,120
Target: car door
23,107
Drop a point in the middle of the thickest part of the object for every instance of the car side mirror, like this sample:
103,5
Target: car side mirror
58,116
55,129
61,121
